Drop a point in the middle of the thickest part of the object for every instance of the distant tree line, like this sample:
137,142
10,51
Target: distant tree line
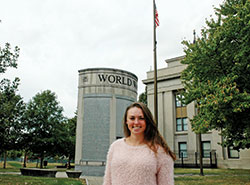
36,129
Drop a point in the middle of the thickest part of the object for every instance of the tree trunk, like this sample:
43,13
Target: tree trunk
41,162
25,159
69,162
37,161
5,159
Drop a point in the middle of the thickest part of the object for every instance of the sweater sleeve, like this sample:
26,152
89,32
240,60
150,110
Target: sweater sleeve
107,175
165,171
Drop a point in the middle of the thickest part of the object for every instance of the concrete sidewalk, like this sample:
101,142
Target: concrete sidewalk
61,175
90,180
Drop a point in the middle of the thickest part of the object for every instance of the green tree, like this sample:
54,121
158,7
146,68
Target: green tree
43,117
8,58
12,105
143,97
218,74
11,111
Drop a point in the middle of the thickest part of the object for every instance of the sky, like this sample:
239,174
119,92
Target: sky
57,38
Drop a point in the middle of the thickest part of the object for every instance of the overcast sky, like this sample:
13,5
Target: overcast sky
59,37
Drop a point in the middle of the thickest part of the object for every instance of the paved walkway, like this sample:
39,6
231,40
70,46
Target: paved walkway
61,175
91,180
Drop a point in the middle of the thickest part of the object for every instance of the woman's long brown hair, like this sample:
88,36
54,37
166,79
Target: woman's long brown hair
152,135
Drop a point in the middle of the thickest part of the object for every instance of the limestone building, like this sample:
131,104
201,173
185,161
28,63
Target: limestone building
173,123
103,96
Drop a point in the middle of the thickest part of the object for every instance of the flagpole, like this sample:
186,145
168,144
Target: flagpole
155,69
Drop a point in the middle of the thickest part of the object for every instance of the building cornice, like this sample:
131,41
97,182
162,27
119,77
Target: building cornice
175,59
162,78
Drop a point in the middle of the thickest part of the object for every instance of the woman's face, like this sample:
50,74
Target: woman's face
136,121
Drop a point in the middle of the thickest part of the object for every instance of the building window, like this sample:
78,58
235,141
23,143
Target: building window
181,114
233,153
183,150
178,98
181,124
206,149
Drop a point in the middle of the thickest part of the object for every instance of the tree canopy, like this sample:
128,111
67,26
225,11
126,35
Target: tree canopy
11,110
217,75
39,127
8,58
12,105
143,97
43,118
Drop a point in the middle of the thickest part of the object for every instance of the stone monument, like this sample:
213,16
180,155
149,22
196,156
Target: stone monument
103,95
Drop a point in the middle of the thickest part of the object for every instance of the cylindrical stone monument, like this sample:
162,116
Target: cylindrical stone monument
103,95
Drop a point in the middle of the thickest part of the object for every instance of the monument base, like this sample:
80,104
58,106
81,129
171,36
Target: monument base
90,170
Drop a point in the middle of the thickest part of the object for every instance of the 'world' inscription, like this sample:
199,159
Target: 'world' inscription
117,79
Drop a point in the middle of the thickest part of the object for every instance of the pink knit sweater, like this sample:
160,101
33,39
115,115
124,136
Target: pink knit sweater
137,165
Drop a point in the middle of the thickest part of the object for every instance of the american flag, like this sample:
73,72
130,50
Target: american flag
157,22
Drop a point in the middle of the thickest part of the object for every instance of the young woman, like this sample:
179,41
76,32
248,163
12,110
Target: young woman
143,156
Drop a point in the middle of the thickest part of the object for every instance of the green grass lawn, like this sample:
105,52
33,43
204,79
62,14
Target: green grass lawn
28,180
184,176
196,171
213,180
12,179
212,176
